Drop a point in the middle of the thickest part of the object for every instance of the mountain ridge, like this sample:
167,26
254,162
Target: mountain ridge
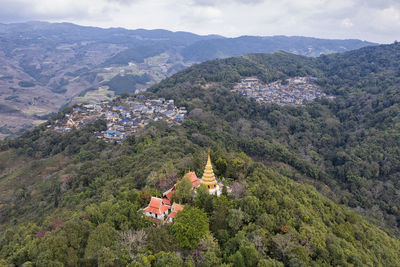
64,189
66,63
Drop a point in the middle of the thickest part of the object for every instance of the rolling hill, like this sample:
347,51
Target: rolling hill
313,185
45,66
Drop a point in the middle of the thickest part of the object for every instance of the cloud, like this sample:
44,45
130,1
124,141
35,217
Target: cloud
123,2
347,23
364,19
22,10
224,2
380,4
13,11
201,14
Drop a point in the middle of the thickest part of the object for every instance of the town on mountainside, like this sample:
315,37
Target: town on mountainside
127,115
292,91
122,118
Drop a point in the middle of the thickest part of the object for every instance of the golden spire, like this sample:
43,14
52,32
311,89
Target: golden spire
208,178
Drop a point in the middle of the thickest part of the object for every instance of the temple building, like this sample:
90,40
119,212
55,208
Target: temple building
161,208
209,180
167,195
193,178
157,209
174,210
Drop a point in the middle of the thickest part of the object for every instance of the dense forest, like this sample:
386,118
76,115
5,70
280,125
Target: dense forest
351,144
73,200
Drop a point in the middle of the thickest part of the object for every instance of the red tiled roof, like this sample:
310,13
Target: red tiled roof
175,208
193,178
156,206
164,208
166,201
169,195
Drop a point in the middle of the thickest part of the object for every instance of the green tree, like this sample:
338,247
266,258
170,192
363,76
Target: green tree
220,213
183,193
237,260
65,245
160,239
167,259
221,166
251,206
101,242
203,199
235,219
250,255
189,262
209,259
269,263
54,250
190,225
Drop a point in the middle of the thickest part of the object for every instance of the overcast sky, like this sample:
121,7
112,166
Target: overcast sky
372,20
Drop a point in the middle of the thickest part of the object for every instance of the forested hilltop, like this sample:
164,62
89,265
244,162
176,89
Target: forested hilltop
73,200
351,144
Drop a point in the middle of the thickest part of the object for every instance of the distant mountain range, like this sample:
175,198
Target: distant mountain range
45,66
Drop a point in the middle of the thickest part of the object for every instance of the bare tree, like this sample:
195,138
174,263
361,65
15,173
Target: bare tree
134,242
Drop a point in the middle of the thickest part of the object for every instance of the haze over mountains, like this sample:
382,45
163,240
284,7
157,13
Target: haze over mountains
44,66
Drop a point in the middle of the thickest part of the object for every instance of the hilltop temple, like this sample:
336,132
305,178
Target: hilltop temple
161,208
209,180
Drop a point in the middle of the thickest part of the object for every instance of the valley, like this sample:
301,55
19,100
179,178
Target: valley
47,66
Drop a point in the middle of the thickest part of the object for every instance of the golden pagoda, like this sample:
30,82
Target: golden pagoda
208,178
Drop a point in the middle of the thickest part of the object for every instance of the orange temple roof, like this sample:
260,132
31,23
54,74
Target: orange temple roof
175,209
156,206
193,178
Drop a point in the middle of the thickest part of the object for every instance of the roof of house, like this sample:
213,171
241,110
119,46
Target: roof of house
167,195
166,201
175,209
193,178
156,206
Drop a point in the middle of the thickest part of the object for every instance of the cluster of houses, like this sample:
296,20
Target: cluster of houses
293,91
124,118
163,211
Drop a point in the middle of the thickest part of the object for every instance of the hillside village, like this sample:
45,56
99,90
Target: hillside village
293,91
122,119
160,210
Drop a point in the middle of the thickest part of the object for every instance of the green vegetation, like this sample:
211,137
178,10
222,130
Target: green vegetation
127,83
267,217
76,200
350,144
183,193
190,226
